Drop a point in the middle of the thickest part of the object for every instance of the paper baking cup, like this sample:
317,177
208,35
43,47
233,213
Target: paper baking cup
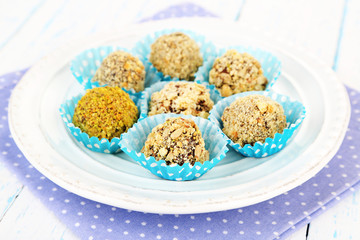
133,141
67,110
147,93
270,64
294,112
143,48
84,66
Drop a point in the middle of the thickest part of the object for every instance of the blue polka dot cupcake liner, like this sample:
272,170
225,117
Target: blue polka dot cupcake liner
133,141
84,66
67,110
143,47
145,98
294,111
270,64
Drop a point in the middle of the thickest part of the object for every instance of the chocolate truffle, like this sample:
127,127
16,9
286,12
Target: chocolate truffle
236,72
176,141
176,55
121,69
182,98
105,112
252,119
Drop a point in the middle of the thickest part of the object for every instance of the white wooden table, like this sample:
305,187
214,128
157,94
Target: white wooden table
32,29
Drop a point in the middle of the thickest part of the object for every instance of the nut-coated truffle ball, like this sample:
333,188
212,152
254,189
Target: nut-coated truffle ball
176,141
236,72
121,69
252,119
176,55
105,112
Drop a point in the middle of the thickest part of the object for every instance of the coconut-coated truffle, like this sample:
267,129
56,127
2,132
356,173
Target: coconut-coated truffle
121,69
176,55
182,98
105,112
252,119
176,141
236,72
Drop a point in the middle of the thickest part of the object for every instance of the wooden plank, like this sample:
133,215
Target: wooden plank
12,21
28,218
341,222
312,25
348,59
10,188
300,234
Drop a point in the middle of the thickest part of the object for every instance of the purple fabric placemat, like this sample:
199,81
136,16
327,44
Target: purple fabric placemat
270,219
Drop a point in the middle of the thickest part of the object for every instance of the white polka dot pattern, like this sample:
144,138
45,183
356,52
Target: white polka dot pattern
270,219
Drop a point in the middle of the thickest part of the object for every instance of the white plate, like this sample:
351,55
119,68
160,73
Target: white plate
236,182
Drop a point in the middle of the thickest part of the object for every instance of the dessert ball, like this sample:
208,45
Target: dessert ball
252,119
182,97
121,69
176,55
236,72
105,112
176,141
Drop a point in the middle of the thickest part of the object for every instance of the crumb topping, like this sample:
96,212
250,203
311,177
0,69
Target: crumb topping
105,112
121,69
182,98
236,72
176,141
253,118
176,55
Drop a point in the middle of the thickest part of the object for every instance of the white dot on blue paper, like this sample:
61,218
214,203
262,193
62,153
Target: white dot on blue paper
208,219
142,235
113,209
54,189
257,222
82,203
240,210
93,226
158,237
96,216
192,229
97,205
63,211
111,219
224,220
208,231
225,232
79,213
127,221
126,233
51,199
256,212
241,222
176,227
242,232
192,217
273,223
272,212
303,203
109,230
287,203
143,223
66,200
77,224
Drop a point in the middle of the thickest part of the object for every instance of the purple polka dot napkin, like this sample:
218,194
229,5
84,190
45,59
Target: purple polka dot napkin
275,218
